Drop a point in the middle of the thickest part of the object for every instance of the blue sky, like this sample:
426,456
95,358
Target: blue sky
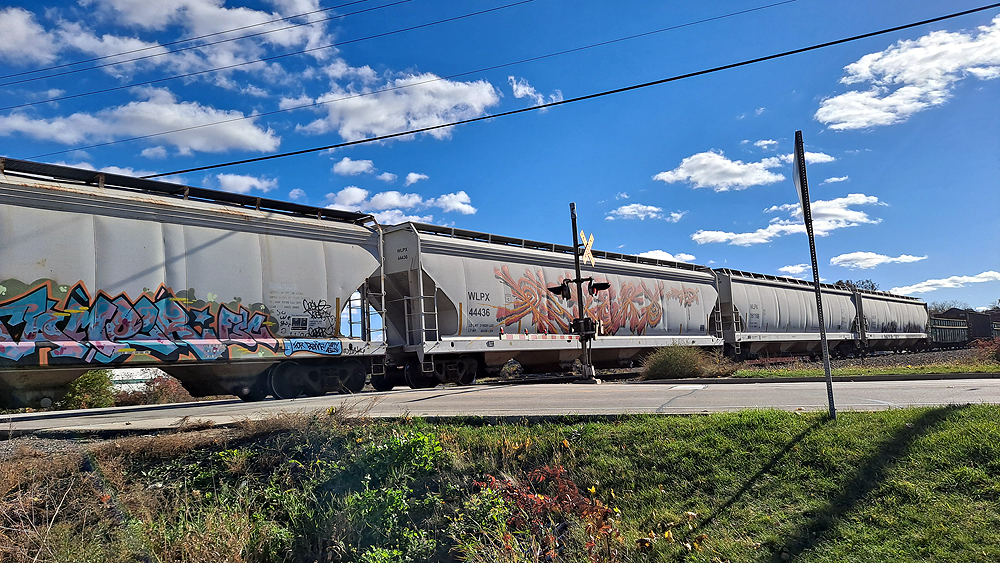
904,129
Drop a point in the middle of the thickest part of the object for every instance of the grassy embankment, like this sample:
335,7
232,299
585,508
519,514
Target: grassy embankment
804,370
680,362
898,485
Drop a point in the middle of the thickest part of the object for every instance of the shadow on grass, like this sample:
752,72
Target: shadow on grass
765,470
870,473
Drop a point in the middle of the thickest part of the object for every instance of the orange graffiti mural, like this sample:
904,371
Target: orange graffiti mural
632,305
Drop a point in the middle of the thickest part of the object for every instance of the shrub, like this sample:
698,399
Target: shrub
988,350
160,389
671,362
164,389
91,390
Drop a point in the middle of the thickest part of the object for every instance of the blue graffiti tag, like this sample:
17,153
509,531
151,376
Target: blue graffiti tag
324,347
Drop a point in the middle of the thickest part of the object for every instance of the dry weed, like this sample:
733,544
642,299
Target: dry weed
160,446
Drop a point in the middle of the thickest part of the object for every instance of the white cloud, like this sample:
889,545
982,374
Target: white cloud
388,205
828,215
912,76
159,111
867,260
795,269
201,17
387,177
298,194
413,178
350,198
110,47
154,152
643,212
348,167
835,179
255,91
522,89
459,201
766,144
759,111
636,211
663,255
415,101
811,158
301,101
243,184
951,282
713,170
23,40
395,216
391,199
621,195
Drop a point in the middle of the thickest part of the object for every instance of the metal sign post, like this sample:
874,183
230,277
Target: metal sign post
802,187
582,325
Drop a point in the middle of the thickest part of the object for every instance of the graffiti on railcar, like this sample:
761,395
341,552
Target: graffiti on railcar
58,324
632,305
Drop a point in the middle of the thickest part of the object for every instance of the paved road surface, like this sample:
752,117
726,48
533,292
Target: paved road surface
535,400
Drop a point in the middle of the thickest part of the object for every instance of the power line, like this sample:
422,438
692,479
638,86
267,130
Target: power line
179,41
265,59
588,96
411,85
200,46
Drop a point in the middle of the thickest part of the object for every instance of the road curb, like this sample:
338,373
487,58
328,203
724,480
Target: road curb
818,379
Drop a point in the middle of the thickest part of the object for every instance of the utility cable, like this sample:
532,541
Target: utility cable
179,41
586,97
422,82
264,59
199,46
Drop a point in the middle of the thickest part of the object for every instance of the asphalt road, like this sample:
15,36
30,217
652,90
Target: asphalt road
530,401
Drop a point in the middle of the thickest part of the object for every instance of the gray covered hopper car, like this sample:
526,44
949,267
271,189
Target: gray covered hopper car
460,302
766,315
231,294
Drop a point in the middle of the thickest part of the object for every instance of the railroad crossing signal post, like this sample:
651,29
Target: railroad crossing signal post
582,325
802,187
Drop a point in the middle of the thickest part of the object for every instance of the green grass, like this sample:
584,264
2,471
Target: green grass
799,371
754,486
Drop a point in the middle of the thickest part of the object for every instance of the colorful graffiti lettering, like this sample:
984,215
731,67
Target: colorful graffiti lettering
530,296
324,347
632,305
75,327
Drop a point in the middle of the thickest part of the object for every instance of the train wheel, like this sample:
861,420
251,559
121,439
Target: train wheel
415,377
286,381
468,367
354,379
258,391
382,383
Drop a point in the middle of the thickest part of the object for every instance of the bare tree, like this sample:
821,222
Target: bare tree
938,307
866,284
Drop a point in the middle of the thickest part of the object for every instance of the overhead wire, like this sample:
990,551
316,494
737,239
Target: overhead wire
199,46
265,59
422,82
586,97
185,40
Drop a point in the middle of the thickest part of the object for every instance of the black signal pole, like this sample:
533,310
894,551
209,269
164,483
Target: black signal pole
581,325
